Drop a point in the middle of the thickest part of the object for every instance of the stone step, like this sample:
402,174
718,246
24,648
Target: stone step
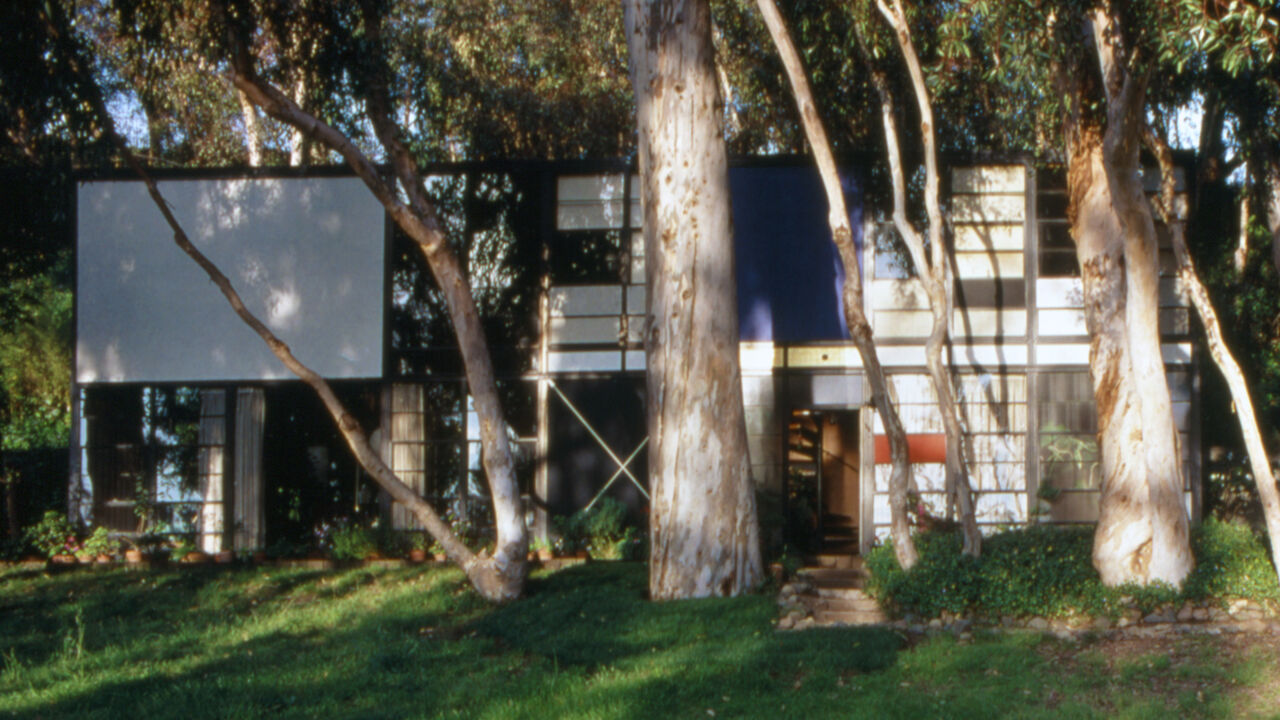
831,617
838,561
848,577
842,593
843,604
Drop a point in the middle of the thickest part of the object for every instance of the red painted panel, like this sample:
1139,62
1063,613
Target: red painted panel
921,448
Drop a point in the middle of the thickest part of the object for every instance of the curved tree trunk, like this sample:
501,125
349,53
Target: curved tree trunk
498,578
1263,478
1142,531
703,532
855,316
1170,559
931,268
1122,539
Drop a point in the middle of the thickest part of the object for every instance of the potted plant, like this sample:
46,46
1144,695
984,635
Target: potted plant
55,537
185,551
541,549
100,545
437,552
418,547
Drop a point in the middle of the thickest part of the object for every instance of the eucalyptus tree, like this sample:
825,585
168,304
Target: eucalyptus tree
1233,56
703,531
499,576
855,315
1089,67
929,258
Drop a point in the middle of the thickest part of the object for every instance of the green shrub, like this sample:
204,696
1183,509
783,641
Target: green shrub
943,579
352,542
1039,570
100,542
53,535
1231,561
601,531
1048,571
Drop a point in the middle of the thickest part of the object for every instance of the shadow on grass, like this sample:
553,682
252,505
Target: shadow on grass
584,643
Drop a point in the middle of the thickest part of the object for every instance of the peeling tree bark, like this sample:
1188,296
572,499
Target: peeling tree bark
1142,531
931,269
1222,357
1122,538
1170,559
854,312
703,532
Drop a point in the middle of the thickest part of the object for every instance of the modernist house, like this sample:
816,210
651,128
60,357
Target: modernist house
182,417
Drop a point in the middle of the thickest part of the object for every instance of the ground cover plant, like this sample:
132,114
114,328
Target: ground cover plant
1047,571
585,643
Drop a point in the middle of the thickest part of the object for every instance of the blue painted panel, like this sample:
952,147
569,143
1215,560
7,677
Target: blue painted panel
789,273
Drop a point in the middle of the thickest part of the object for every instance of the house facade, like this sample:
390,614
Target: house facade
183,421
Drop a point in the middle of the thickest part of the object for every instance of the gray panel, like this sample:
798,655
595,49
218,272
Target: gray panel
305,254
834,391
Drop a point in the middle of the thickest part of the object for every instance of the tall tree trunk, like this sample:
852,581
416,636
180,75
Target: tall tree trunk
1142,532
931,268
703,532
1271,188
1263,478
252,129
855,316
1122,539
298,146
1171,559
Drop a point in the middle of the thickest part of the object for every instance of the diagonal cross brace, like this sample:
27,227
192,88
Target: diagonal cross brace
622,465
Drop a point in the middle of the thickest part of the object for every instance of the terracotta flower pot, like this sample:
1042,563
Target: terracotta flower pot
133,557
417,555
64,559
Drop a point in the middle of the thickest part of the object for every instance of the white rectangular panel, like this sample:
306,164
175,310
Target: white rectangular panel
989,179
305,254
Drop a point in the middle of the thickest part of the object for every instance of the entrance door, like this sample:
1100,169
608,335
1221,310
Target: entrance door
823,481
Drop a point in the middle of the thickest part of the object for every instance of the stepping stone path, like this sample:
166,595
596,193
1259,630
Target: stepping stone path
830,594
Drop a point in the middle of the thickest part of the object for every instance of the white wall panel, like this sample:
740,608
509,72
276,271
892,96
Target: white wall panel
985,238
989,179
305,254
988,208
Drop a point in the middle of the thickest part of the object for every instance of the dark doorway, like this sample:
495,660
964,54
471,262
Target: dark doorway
823,481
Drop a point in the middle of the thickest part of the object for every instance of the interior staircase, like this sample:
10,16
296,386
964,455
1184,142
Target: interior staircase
829,591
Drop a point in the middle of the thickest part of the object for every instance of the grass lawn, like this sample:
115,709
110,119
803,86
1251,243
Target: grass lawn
416,642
